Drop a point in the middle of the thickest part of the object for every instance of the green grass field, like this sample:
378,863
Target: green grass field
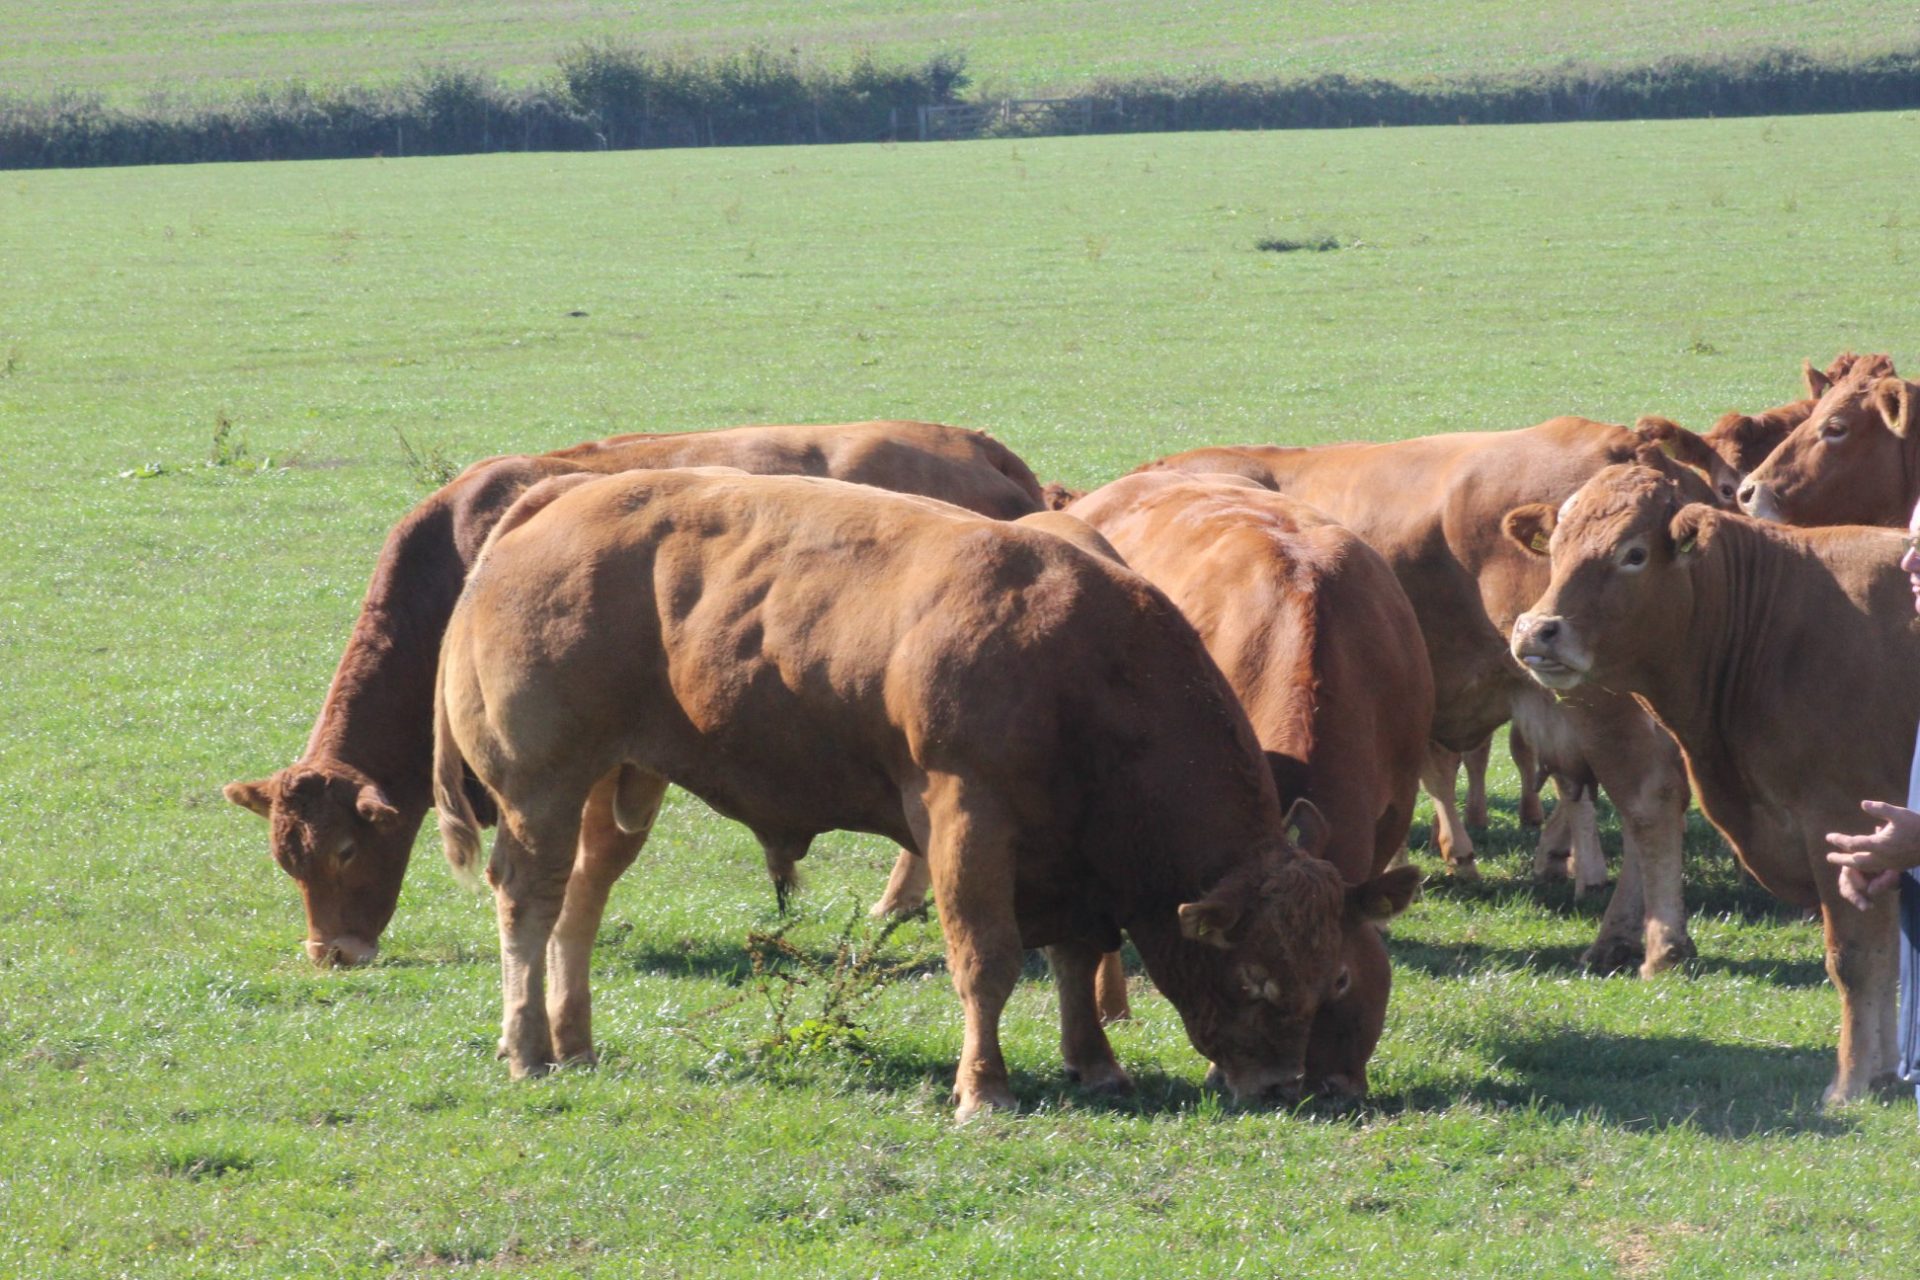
185,1096
127,47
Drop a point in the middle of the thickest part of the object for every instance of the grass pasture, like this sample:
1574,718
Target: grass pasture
126,48
187,1097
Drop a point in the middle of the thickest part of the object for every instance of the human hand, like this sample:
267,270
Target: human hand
1871,864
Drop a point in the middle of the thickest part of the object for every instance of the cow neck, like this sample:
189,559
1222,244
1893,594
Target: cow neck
1734,638
378,712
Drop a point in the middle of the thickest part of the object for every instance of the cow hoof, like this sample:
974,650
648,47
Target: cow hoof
1581,888
532,1070
586,1059
889,909
1531,814
983,1100
1611,955
1108,1078
1670,956
1552,867
1466,871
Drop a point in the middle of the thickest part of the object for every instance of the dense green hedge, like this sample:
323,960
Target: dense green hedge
618,96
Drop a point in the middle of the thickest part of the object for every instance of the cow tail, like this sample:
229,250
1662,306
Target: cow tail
459,830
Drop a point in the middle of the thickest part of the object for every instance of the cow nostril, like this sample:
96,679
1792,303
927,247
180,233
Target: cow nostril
1547,630
1746,494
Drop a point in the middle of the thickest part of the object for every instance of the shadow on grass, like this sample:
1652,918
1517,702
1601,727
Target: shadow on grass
1643,1083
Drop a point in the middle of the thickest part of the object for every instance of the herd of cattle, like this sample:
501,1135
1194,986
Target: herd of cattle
1193,706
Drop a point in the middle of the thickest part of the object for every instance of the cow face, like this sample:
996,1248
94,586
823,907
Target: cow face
1285,936
1347,1028
336,834
1849,462
1622,549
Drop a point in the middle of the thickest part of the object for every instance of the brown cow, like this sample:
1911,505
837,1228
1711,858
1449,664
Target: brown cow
1852,460
344,814
1318,640
1431,506
1785,662
804,655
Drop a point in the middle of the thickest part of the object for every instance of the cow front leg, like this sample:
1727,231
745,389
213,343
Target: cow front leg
1863,962
1449,833
1476,762
529,872
607,848
1083,1043
906,892
970,856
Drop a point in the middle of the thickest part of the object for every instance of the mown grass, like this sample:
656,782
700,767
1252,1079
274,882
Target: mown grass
185,1096
129,48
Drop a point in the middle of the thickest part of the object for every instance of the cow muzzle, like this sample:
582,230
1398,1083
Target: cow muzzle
1258,1087
343,952
1758,501
1542,642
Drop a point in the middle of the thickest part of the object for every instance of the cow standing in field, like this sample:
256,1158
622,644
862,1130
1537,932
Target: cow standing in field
1785,662
1854,460
344,815
1431,506
1038,723
1322,648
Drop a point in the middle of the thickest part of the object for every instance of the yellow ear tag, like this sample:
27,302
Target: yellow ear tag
1539,543
1686,546
1670,448
1293,834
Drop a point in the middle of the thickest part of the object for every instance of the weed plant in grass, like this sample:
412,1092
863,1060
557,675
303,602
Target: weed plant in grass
187,1097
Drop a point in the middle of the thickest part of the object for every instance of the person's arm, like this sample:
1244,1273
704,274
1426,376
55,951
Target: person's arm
1871,864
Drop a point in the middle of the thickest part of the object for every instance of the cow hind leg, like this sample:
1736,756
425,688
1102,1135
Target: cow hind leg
906,892
533,857
1110,990
1083,1044
614,826
970,855
1476,762
1449,832
1526,761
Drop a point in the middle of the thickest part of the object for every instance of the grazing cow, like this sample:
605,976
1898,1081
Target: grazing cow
1786,663
805,655
344,815
1316,637
1431,506
1852,460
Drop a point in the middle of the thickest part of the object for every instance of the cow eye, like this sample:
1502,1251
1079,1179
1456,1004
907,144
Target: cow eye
1634,558
1726,491
1343,983
1833,429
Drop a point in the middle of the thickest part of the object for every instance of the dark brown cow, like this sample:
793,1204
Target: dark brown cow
344,815
1316,637
1432,506
1853,460
804,655
1787,665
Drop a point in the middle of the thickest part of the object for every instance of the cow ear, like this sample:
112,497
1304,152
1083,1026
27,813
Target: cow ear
1531,526
257,796
1818,382
1692,528
1385,896
1735,428
373,807
1307,827
1058,497
1676,442
1213,919
1893,397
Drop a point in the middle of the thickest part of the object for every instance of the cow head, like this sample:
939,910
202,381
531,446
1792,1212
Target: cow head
1622,550
1694,451
1278,941
1852,461
1346,1030
335,832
